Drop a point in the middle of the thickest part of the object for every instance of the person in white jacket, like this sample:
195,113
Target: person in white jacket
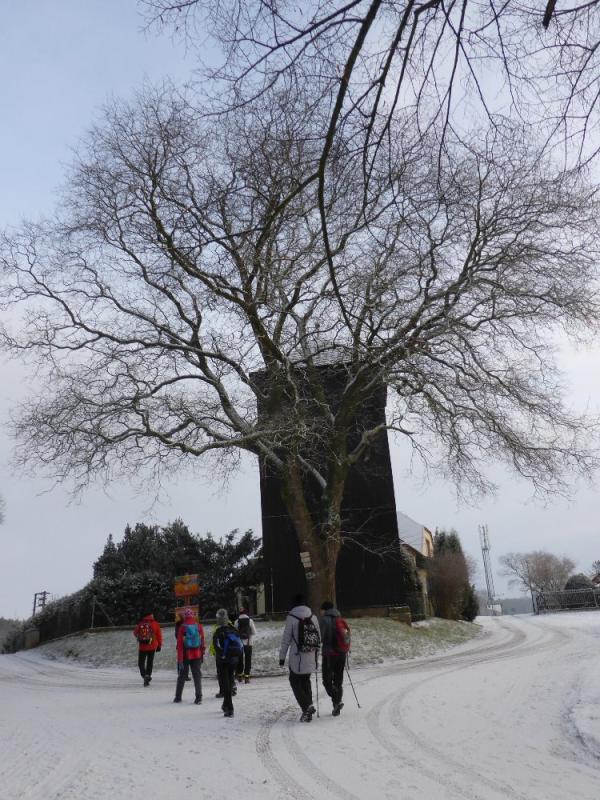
247,631
302,639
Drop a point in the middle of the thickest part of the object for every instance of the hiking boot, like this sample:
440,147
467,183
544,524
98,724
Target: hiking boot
147,681
177,699
239,678
246,678
228,713
337,707
311,710
197,701
219,695
306,716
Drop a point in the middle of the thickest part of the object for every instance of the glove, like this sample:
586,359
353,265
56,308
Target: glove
282,662
158,649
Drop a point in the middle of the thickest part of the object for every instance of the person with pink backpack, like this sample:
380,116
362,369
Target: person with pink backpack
190,655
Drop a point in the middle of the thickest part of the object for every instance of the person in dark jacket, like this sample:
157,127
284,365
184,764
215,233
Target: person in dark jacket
221,694
302,662
333,660
226,661
247,631
189,657
149,636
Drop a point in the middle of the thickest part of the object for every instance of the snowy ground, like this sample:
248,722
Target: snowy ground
514,715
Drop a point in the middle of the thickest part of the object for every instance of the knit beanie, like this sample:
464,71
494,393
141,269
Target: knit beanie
222,616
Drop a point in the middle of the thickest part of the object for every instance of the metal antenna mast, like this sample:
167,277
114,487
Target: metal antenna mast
487,565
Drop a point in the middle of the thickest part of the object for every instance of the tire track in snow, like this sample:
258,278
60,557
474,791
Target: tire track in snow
270,762
311,769
56,766
37,673
514,639
57,779
429,751
441,781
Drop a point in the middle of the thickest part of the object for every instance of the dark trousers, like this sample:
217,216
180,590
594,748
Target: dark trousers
302,689
225,673
245,663
333,676
145,662
195,666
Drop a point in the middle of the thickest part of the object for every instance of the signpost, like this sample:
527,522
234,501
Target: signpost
187,592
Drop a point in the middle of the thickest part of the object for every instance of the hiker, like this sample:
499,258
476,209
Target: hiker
228,649
247,631
178,624
190,655
335,637
301,637
221,694
149,636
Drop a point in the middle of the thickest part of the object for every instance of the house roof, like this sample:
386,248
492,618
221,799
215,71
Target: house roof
411,532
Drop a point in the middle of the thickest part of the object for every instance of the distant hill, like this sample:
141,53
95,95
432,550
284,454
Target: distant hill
516,605
510,605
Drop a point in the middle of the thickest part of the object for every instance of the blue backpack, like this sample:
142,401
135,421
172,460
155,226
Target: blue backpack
191,636
233,647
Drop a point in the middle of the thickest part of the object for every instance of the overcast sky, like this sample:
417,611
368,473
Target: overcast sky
60,60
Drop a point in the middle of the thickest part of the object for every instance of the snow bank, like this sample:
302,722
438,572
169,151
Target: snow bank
374,641
582,706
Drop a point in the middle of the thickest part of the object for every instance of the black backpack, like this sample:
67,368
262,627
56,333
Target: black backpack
243,625
309,638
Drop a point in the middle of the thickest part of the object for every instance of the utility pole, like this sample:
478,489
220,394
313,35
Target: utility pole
39,602
487,567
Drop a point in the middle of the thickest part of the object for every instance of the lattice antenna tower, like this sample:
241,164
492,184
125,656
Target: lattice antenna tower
487,564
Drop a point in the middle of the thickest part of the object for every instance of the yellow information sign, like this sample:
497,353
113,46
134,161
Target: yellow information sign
186,586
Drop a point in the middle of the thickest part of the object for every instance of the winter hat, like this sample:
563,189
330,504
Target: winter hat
222,616
188,613
299,600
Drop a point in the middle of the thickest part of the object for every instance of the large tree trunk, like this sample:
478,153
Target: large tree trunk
320,538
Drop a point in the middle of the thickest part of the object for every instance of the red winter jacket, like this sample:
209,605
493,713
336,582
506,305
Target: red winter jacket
156,634
191,653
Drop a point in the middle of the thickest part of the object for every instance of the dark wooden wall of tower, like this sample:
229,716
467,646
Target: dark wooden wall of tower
369,572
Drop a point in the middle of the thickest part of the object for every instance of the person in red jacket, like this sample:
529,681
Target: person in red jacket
190,654
149,636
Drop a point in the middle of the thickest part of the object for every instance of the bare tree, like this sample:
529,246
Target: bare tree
184,284
537,571
449,63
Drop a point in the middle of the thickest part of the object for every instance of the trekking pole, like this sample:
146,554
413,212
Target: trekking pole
317,681
350,679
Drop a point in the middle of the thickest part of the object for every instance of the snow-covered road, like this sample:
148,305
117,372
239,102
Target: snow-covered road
511,716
